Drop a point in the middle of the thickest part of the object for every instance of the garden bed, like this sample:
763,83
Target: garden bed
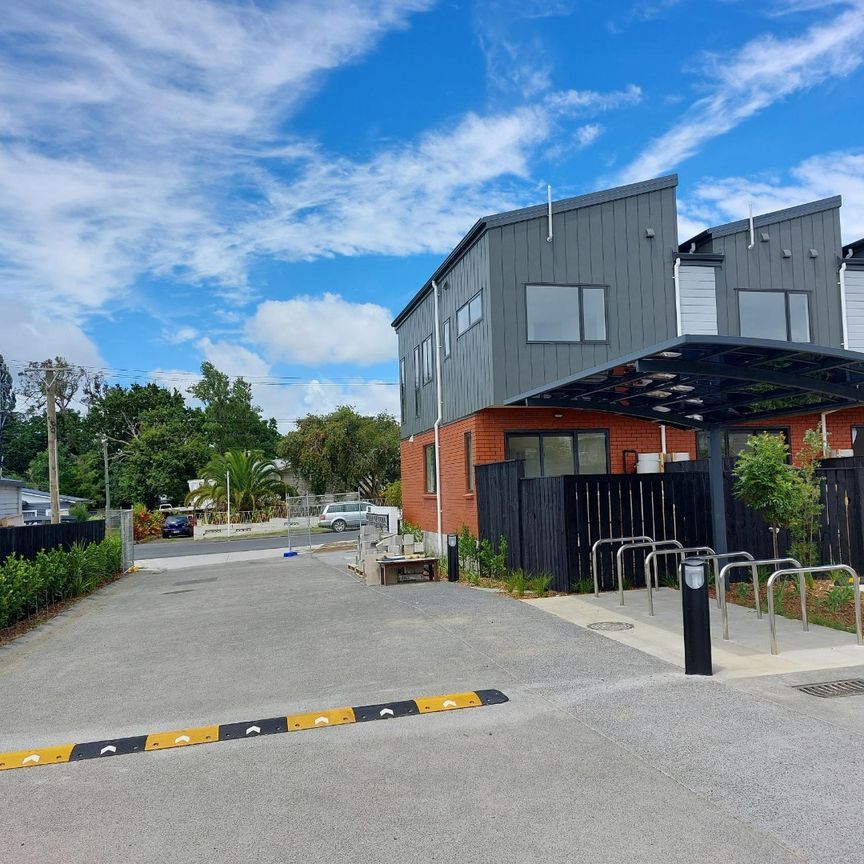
827,604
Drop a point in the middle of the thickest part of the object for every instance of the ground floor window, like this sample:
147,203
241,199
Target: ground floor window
735,440
429,461
551,454
858,440
469,462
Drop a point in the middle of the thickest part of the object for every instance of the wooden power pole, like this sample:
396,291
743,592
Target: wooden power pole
51,412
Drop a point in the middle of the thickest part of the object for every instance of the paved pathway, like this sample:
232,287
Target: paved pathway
604,753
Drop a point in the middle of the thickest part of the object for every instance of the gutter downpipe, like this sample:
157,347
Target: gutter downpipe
752,229
843,305
440,403
549,212
676,280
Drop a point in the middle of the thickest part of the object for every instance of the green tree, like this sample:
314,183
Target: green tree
785,496
231,421
344,450
7,405
254,481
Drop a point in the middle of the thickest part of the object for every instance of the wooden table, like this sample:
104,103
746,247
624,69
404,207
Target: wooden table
407,566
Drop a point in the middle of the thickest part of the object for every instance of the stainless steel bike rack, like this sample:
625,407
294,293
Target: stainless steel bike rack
802,588
619,572
597,544
651,558
753,565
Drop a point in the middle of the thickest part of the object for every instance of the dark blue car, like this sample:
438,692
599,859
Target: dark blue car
177,526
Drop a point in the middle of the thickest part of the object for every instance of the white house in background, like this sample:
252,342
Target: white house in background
10,503
36,504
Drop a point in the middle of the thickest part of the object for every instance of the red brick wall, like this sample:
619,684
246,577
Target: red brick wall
488,428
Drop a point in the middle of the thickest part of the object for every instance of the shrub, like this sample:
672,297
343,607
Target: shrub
540,583
79,512
146,525
415,530
393,494
27,586
468,549
517,582
839,596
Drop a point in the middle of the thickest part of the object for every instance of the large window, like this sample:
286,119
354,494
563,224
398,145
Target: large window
417,381
469,462
735,440
781,315
469,314
427,359
566,313
551,454
402,388
429,462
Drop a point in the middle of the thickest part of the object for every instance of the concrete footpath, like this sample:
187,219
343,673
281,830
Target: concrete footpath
604,753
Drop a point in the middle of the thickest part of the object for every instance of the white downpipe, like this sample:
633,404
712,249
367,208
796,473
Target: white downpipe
676,279
440,401
752,229
843,305
663,438
549,212
823,423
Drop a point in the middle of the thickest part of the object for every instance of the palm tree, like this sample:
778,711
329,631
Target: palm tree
254,481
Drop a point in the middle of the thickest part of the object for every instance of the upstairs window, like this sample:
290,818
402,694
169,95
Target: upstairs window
402,389
445,339
566,313
417,381
469,314
780,315
427,359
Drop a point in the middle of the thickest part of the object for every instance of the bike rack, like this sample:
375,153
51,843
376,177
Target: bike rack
721,582
651,558
619,572
802,589
597,544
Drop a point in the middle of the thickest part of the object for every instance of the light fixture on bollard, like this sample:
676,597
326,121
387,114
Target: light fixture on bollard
452,558
697,620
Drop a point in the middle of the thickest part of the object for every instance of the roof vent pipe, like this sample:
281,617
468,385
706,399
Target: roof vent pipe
752,231
549,212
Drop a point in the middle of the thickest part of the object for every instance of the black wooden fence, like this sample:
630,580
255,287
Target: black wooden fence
551,523
29,539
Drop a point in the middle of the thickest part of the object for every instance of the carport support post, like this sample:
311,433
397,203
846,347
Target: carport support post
715,484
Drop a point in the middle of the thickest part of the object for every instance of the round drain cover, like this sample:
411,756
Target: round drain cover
610,625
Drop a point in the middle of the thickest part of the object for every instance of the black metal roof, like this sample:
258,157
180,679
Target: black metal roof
512,216
703,381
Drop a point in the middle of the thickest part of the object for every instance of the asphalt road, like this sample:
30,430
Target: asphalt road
602,753
182,546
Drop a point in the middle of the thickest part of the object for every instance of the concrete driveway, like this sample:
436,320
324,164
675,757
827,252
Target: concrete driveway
602,753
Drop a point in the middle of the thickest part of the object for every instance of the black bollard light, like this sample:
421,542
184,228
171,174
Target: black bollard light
697,621
452,558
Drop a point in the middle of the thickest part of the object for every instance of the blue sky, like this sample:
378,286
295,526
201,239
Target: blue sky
264,184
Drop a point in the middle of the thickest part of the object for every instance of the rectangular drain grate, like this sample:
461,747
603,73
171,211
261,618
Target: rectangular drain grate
827,689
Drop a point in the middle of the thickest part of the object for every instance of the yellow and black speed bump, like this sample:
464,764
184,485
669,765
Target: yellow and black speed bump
249,729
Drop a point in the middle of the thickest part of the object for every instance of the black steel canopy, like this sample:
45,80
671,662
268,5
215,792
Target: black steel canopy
710,381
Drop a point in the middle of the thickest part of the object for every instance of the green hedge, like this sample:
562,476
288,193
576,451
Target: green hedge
27,586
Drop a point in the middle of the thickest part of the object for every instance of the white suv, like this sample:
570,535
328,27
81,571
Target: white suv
348,514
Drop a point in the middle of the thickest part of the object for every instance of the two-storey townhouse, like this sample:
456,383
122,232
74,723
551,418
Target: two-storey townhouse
535,299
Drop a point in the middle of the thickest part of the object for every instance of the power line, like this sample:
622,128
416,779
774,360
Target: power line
156,375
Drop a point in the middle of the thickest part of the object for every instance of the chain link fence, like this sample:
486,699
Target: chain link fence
119,522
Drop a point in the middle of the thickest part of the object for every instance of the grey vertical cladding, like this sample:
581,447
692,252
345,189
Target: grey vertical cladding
765,268
855,309
599,244
698,299
466,376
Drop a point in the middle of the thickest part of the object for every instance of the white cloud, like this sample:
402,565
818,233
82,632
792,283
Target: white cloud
588,134
323,396
232,359
27,334
593,101
323,330
125,123
728,199
746,82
